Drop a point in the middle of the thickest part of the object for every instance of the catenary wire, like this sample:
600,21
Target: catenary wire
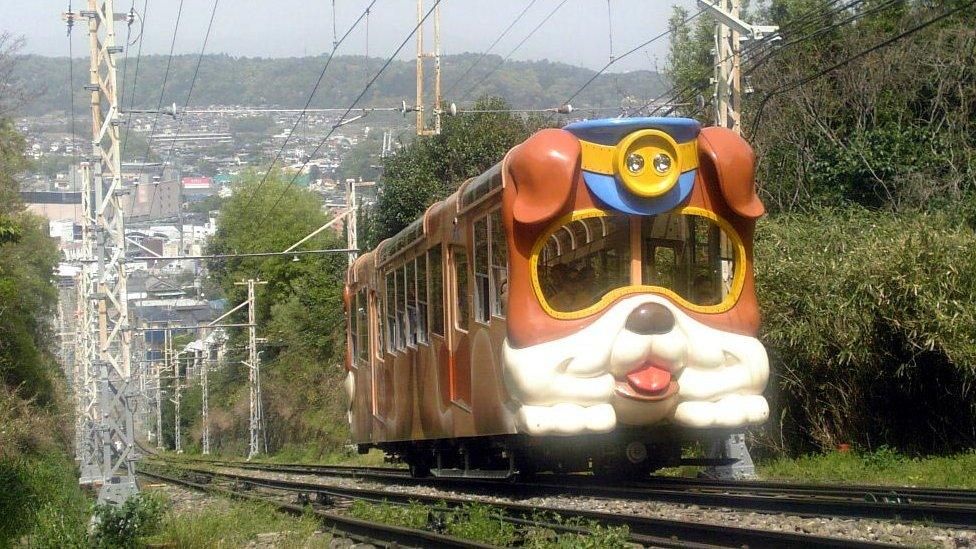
348,110
885,43
752,65
162,88
515,49
135,78
625,54
193,79
491,47
301,115
801,23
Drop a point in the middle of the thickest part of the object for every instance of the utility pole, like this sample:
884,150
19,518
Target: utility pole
352,237
730,30
728,77
422,128
175,360
256,439
204,364
167,354
157,368
111,436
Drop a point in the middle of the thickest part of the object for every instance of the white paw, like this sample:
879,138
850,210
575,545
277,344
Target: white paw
730,411
566,419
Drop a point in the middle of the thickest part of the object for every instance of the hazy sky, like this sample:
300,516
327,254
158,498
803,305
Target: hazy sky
576,34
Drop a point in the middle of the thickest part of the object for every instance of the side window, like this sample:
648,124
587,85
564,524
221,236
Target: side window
362,327
390,311
378,300
401,276
436,269
353,330
462,304
499,264
421,329
481,289
410,282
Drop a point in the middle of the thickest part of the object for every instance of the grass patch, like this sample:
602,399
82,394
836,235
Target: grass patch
226,523
484,523
883,466
41,503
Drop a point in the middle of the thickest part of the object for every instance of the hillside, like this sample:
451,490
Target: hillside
286,82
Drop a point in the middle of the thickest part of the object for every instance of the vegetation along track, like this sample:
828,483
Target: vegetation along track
942,507
646,531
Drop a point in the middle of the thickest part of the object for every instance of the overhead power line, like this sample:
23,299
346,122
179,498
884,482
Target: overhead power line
162,88
515,49
885,43
801,24
308,102
613,60
244,255
189,94
342,119
491,47
135,77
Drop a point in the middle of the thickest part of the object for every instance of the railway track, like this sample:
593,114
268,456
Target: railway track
943,507
646,531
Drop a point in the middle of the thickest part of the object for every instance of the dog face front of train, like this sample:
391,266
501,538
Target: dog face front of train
647,281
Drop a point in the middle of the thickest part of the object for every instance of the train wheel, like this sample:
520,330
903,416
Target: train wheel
419,470
419,465
632,462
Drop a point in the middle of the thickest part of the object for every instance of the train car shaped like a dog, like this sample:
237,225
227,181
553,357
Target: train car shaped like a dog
588,302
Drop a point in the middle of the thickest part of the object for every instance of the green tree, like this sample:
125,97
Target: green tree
690,63
300,313
431,168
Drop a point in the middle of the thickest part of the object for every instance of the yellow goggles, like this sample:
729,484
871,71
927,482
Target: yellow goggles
590,258
648,162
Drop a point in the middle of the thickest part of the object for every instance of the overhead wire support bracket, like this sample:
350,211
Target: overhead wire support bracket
755,32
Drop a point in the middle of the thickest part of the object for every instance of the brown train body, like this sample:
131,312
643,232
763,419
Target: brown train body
449,320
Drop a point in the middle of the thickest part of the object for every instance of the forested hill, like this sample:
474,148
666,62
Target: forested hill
286,82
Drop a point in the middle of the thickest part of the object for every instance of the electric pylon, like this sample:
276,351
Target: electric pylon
110,465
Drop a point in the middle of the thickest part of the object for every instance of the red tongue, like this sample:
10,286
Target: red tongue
649,379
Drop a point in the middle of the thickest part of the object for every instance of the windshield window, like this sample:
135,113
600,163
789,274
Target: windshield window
689,255
584,260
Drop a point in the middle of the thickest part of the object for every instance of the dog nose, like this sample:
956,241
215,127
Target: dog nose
650,318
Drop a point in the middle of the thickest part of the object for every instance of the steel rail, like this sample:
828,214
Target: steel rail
648,531
957,509
359,530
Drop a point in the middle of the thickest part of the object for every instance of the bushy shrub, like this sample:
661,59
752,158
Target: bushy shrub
869,319
121,526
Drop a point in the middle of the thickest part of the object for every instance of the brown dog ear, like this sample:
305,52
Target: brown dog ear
734,164
542,171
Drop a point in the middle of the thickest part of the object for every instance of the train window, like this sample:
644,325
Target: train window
411,302
362,327
499,263
401,276
690,255
421,326
481,284
378,301
575,272
462,303
353,329
391,311
436,269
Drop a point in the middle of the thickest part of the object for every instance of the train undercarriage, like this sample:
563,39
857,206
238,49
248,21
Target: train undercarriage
623,453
